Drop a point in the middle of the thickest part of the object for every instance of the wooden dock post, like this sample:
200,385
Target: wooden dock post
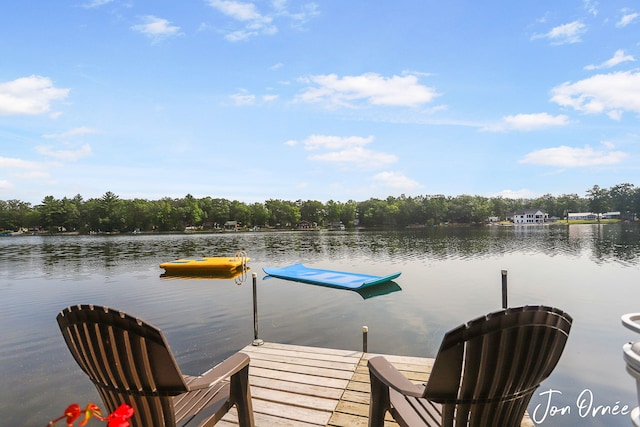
365,332
256,341
504,288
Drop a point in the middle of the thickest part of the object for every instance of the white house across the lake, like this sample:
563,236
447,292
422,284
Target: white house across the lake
528,216
590,216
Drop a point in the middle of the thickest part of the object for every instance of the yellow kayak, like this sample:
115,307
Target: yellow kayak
206,263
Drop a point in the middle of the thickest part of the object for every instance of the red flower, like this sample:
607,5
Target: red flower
91,410
119,417
72,413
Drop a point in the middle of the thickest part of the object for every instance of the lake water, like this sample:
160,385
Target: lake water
449,276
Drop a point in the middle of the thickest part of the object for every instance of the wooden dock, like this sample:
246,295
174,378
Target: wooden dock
311,386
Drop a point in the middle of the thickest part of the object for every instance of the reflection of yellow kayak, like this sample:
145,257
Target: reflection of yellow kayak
206,263
206,274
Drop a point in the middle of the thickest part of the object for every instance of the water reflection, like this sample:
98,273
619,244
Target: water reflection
449,275
239,275
618,242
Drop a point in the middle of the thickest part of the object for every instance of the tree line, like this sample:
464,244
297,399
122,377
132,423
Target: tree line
110,213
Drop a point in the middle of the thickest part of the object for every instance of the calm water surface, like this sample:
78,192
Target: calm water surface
449,276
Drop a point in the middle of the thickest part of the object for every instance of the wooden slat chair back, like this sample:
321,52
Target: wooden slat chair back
129,361
485,372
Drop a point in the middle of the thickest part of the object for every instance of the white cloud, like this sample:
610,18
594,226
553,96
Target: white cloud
329,142
528,122
523,193
96,3
6,185
255,23
67,155
396,181
307,11
21,169
237,10
36,174
591,7
358,157
370,87
573,157
345,151
13,163
618,58
627,19
156,28
603,93
29,95
243,98
564,34
71,133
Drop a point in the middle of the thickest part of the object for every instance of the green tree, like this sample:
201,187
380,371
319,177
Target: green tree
51,213
372,212
435,209
598,200
240,212
312,211
189,211
572,203
622,198
138,214
348,212
112,217
72,216
333,210
217,210
259,214
162,214
282,213
14,214
548,204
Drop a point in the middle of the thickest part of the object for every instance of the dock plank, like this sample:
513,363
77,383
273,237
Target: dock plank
307,389
303,386
343,365
299,378
303,369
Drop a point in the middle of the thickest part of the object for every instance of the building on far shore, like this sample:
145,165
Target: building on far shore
528,216
590,216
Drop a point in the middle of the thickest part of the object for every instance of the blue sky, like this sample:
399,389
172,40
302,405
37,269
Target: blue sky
317,100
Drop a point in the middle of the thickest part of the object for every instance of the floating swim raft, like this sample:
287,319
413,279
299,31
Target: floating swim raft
336,279
206,264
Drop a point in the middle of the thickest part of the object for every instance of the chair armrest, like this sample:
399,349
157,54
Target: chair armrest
386,373
631,321
230,366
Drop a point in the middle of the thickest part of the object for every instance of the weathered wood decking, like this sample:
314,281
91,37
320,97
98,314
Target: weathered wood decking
310,386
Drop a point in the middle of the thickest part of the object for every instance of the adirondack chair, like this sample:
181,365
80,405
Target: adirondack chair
631,355
484,374
129,361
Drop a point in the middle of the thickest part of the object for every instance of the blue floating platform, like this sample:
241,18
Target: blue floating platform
335,279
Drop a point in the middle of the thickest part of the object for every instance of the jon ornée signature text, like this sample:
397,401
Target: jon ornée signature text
585,406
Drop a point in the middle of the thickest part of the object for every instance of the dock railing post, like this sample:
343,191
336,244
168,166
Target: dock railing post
365,332
256,341
504,288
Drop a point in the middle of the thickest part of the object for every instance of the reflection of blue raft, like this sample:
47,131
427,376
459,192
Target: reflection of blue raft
336,279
